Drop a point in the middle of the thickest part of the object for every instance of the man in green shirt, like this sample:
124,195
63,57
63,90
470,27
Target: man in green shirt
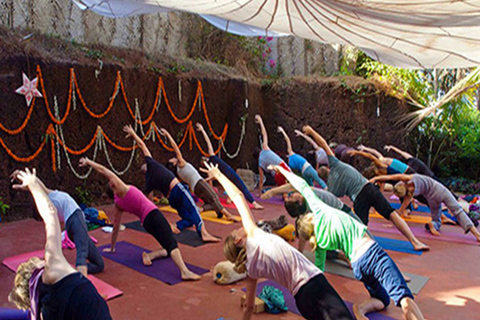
327,228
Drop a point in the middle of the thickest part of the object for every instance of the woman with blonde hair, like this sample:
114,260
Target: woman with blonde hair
264,255
327,228
52,288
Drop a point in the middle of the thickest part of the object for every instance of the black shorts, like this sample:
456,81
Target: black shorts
72,298
371,196
156,224
317,300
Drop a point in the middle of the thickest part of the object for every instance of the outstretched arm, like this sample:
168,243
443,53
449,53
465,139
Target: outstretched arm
235,195
318,139
379,163
309,140
370,150
396,177
56,265
258,119
207,139
404,154
178,153
131,133
118,186
287,140
278,190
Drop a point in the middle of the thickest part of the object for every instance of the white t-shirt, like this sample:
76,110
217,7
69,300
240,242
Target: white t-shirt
64,203
271,257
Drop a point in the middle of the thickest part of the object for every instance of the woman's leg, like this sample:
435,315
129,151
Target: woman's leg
208,195
77,232
95,260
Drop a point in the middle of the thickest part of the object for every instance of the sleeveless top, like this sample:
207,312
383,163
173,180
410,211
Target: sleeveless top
190,175
135,202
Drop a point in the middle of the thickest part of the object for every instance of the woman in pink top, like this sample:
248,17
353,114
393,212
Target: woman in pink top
129,199
264,255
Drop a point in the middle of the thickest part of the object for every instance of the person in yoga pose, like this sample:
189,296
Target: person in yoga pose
197,184
416,164
268,157
52,289
74,219
435,193
327,228
264,255
320,154
129,199
384,165
300,165
343,179
158,177
227,170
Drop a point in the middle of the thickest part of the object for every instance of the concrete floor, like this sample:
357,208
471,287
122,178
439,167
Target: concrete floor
453,291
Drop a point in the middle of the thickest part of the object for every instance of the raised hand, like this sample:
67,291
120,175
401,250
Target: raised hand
298,133
307,129
212,170
199,126
387,148
361,147
83,162
258,118
164,132
27,178
129,131
280,129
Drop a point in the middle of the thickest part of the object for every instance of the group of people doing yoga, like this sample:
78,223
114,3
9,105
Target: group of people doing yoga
52,289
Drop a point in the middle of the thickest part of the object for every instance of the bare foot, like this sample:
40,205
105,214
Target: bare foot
419,246
432,229
446,220
190,276
257,206
83,270
209,238
146,259
174,228
415,205
358,313
406,214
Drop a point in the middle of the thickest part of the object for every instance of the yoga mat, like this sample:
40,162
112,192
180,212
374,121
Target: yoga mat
188,237
14,314
340,268
292,307
445,235
272,200
102,287
165,270
206,215
412,218
231,205
397,245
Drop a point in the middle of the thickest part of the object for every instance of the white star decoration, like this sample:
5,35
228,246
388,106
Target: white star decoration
29,89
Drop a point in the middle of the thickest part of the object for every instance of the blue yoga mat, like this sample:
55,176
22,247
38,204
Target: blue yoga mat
164,269
397,245
425,209
292,306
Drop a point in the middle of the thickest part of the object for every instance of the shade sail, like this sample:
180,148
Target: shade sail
413,34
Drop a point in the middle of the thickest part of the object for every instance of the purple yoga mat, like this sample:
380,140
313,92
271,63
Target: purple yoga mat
272,200
164,270
420,232
292,306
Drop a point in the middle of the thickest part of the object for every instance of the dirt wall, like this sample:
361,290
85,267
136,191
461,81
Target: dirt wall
336,107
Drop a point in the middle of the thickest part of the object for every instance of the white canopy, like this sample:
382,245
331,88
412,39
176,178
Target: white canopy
403,33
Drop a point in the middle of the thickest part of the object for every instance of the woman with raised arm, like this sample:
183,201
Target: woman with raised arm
197,184
300,165
76,227
52,289
320,154
227,170
384,165
158,177
267,157
129,199
435,193
343,179
264,255
327,228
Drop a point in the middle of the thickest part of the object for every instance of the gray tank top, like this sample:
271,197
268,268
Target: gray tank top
429,188
190,175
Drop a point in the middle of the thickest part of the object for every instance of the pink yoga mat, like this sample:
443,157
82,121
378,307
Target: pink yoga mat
445,235
103,288
223,201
